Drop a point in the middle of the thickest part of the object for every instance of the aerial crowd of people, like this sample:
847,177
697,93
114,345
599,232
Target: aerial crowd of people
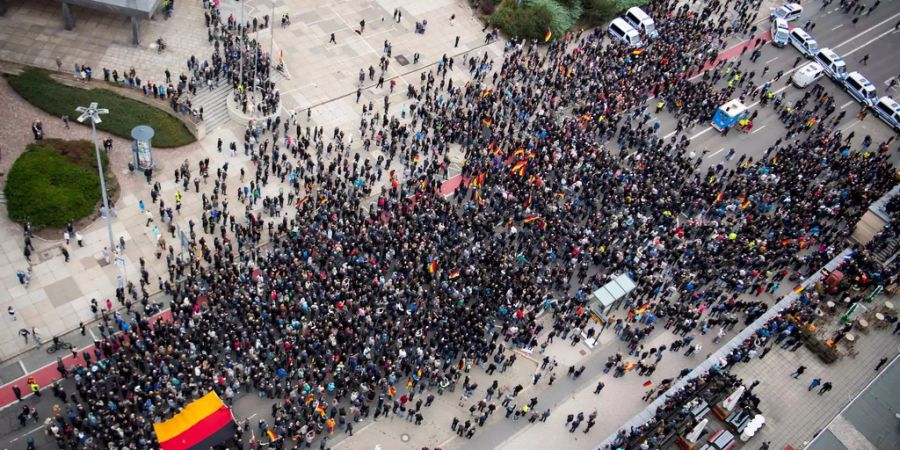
358,290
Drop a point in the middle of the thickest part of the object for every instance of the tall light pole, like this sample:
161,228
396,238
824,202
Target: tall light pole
92,113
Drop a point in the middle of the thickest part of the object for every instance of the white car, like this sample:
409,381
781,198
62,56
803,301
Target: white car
788,11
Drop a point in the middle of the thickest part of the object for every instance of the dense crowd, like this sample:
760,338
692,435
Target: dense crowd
359,289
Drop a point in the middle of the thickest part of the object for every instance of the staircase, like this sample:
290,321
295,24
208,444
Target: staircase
2,197
214,102
887,250
215,110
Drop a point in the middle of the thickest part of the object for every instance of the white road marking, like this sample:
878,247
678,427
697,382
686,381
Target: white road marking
22,365
769,61
835,28
872,28
848,104
758,129
715,152
869,42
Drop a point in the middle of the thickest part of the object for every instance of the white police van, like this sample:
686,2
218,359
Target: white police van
834,65
625,33
788,11
807,75
802,41
889,111
860,88
780,33
637,18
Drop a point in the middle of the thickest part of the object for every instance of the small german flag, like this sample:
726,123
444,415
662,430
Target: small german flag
799,289
637,51
648,383
310,398
519,168
531,218
745,203
527,202
433,266
520,152
478,180
719,197
643,308
548,35
478,198
324,201
272,436
320,409
453,274
392,391
416,159
487,122
302,201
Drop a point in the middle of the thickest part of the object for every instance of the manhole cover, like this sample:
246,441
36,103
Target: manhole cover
404,437
402,60
582,352
47,254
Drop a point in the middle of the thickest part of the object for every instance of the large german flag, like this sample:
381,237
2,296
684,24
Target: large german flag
202,424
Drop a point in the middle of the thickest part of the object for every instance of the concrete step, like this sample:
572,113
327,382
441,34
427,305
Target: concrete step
215,109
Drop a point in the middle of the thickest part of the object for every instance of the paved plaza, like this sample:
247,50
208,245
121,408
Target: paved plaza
320,85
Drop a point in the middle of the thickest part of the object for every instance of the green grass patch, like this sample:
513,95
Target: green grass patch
36,86
56,181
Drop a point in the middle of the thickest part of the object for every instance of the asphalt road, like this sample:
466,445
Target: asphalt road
874,35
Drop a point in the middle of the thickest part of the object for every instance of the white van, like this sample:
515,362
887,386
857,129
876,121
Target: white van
788,11
780,32
807,75
834,65
625,33
889,111
637,18
802,41
860,88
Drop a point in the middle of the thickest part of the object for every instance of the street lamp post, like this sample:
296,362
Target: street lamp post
92,113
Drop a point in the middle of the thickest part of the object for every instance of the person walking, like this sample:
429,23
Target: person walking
65,254
12,313
798,372
599,387
17,391
332,40
881,362
814,384
825,387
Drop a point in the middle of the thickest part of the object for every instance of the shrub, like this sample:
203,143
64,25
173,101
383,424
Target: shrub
622,5
524,21
488,7
562,18
55,181
36,86
598,12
